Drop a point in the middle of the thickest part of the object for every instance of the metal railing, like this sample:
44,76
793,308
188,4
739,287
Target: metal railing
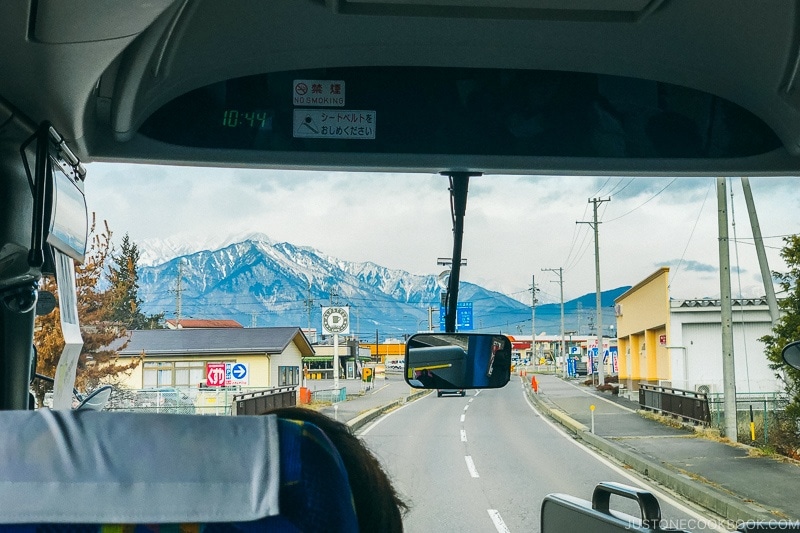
259,402
684,404
763,409
329,395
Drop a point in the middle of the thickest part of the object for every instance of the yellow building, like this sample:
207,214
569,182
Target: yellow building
388,351
262,357
643,316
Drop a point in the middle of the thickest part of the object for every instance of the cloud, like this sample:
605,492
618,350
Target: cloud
690,266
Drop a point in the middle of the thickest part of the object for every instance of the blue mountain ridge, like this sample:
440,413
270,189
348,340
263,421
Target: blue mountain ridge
260,283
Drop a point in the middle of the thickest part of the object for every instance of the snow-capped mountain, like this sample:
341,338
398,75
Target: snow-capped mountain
258,282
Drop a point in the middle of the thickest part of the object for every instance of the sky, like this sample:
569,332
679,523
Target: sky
516,227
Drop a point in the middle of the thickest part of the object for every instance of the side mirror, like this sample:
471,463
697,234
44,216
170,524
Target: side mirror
791,354
96,401
457,361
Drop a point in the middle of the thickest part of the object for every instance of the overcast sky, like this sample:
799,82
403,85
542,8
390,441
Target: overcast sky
515,225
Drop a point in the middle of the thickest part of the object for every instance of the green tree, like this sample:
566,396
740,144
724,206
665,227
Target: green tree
98,363
123,275
787,328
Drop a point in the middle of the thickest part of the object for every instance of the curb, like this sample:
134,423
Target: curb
725,506
365,418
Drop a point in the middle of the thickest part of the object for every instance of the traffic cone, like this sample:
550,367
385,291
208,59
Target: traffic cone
534,384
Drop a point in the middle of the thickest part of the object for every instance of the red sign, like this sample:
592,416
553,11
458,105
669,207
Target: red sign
662,340
215,374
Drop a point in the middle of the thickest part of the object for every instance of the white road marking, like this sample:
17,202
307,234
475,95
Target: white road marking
463,435
463,417
378,390
602,399
471,399
471,466
466,407
497,520
382,418
477,392
710,524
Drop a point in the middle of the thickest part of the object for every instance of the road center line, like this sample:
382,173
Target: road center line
463,417
471,399
497,520
463,435
466,407
471,466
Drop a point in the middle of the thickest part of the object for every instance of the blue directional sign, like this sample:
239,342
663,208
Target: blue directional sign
463,317
236,374
239,371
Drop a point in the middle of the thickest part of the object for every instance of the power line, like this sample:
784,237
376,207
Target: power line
645,202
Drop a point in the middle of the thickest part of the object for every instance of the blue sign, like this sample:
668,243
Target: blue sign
464,320
239,371
236,374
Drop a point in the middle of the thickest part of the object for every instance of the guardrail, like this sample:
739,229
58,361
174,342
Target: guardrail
688,405
329,395
259,402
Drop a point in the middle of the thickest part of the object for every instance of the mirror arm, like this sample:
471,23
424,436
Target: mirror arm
459,186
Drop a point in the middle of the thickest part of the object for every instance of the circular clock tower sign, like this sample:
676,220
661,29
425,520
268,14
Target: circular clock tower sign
335,320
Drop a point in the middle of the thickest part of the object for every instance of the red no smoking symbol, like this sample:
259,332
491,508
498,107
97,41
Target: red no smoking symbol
301,89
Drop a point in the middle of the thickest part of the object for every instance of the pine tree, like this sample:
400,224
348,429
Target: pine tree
123,275
98,363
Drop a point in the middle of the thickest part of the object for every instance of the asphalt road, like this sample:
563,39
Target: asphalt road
485,462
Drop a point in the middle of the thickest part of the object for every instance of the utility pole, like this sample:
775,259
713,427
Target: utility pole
533,319
309,305
596,226
179,294
560,272
431,309
766,276
726,315
334,296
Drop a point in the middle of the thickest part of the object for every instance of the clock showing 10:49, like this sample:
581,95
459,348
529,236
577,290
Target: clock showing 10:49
335,320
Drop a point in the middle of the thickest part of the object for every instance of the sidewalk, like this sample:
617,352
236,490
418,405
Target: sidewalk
360,408
721,477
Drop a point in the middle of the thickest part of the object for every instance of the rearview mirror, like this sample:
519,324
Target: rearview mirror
791,354
458,361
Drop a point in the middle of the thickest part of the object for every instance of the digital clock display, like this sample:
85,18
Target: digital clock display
248,119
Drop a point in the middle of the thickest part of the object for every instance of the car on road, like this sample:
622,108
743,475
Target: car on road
450,392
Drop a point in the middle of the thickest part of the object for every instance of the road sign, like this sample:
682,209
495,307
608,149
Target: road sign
335,320
236,374
215,374
662,340
463,317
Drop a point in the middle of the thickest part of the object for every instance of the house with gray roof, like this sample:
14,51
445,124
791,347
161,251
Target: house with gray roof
182,358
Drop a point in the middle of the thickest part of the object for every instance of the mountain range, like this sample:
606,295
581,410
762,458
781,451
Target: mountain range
261,283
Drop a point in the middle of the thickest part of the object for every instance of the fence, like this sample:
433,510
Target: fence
688,405
214,401
329,395
766,408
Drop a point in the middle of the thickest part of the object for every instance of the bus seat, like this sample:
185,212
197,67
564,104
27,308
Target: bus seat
87,471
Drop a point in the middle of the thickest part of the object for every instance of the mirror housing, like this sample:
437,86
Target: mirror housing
791,354
457,361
